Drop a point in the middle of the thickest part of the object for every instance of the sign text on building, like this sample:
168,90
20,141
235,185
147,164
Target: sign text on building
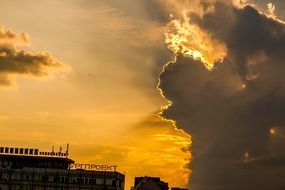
93,167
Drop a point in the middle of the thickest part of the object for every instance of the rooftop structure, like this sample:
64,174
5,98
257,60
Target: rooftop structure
149,183
33,152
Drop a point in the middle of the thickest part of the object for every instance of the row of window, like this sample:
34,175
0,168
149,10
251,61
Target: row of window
61,179
44,187
31,164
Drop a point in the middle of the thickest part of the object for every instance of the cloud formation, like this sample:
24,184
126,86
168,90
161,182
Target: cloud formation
267,6
19,62
230,112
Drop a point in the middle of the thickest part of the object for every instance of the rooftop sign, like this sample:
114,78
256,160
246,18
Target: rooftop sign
96,167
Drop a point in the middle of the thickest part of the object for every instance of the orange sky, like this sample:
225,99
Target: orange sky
105,106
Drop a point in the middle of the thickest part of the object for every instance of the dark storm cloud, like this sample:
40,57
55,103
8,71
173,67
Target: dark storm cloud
279,6
230,111
14,62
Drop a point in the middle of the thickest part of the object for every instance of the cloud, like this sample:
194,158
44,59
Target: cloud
266,6
7,36
16,62
229,111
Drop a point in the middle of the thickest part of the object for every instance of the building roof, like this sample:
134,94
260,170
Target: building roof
150,183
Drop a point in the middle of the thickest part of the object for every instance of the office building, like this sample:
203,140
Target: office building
31,169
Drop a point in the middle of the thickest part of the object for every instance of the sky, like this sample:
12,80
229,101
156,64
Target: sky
85,72
188,90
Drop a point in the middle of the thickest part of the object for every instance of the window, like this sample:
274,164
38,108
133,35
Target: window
99,181
114,182
73,180
4,175
12,150
13,176
39,187
80,180
18,176
37,177
93,181
108,181
21,150
62,179
26,150
44,178
4,164
86,181
16,151
27,187
16,187
121,184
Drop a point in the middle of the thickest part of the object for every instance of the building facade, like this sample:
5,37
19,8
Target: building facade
30,169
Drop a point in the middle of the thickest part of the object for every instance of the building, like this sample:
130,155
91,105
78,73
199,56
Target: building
149,183
31,169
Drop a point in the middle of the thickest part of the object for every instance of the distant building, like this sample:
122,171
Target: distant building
31,169
149,183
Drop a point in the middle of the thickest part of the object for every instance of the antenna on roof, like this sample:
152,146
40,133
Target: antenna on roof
67,149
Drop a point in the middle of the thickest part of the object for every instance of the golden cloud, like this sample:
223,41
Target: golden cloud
15,61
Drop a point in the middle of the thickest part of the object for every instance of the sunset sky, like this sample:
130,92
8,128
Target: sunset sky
104,100
188,90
